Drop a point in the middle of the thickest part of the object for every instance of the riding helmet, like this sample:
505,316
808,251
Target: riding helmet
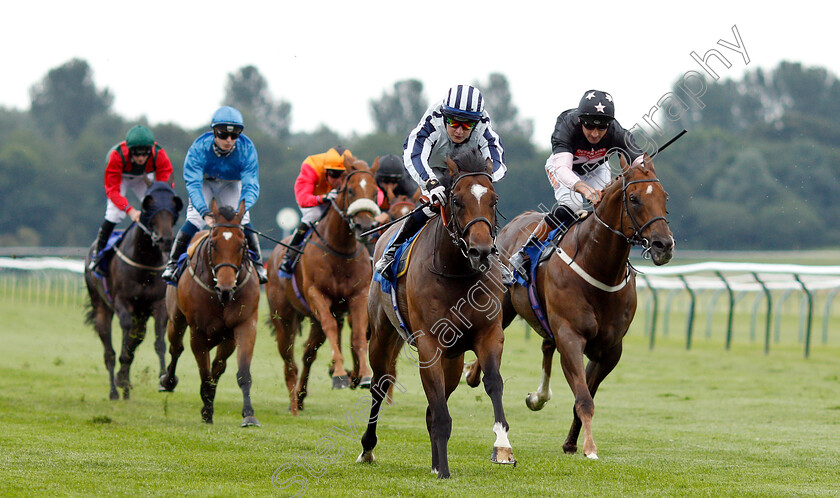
597,106
229,118
463,102
139,136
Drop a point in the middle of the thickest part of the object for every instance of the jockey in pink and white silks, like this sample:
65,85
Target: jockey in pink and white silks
582,141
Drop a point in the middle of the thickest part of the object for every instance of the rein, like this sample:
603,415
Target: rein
458,233
636,238
215,268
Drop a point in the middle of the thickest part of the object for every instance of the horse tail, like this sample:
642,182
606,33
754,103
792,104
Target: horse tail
90,312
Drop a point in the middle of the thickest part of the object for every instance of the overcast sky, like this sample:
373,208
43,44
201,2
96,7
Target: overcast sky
169,60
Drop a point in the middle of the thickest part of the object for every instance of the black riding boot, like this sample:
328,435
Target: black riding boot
101,240
560,216
291,257
414,223
179,247
254,245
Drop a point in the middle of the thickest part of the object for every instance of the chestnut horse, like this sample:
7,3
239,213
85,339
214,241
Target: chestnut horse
331,280
588,290
218,298
450,295
133,288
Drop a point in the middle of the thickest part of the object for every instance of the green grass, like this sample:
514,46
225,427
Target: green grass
668,422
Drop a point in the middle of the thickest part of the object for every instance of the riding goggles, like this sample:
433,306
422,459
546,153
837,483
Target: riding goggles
589,125
467,125
141,151
335,173
224,135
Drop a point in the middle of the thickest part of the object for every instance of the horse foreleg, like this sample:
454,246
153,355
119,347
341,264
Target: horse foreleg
246,334
159,314
134,331
489,355
596,371
175,328
102,321
571,358
438,419
285,328
198,343
310,350
321,311
536,400
384,348
361,375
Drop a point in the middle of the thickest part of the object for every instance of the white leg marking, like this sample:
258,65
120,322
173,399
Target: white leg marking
501,436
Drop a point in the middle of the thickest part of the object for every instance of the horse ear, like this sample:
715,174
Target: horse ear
149,181
375,166
649,163
239,213
453,168
147,202
179,204
489,163
622,159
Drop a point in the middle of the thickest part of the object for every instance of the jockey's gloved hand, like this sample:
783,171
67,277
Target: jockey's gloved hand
437,194
331,195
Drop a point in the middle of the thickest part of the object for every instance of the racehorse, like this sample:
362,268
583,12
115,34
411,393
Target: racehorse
588,290
218,298
331,280
133,288
450,295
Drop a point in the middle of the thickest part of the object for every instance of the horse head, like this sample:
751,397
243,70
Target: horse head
227,249
356,201
643,210
400,205
160,210
471,210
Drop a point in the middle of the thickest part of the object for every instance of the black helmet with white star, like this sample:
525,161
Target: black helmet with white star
597,107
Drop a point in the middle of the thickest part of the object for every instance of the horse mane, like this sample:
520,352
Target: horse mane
227,212
468,160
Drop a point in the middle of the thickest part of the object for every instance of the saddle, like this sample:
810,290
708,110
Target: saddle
108,252
184,259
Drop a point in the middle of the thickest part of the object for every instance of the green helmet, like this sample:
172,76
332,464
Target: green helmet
139,136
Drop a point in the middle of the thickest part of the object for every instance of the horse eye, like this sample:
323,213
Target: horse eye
634,200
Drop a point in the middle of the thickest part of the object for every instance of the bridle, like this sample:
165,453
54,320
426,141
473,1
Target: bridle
636,238
215,268
363,204
457,232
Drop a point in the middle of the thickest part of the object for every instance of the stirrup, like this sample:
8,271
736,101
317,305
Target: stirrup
261,273
384,263
517,264
169,272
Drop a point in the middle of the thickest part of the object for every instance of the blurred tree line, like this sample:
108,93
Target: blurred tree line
757,170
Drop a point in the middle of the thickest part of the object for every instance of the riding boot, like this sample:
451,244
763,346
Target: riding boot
291,257
254,246
414,223
561,216
179,247
101,240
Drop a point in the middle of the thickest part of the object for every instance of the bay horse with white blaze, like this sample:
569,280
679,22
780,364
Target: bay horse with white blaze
133,288
331,280
450,296
218,297
588,290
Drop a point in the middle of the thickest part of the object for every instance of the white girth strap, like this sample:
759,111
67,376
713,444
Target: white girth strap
580,271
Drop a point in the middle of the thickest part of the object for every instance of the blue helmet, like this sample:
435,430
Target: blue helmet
463,102
228,116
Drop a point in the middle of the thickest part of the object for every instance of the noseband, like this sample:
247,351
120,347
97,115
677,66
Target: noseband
364,204
457,232
636,238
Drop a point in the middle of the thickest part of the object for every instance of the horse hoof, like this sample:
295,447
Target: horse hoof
250,421
366,457
592,456
126,393
503,456
113,395
534,403
166,384
341,382
365,382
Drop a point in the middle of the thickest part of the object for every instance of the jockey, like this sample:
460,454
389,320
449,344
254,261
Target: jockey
459,120
130,164
316,185
220,164
582,141
391,175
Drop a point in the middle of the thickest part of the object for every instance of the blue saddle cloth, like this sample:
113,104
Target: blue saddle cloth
107,252
398,267
535,253
281,273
